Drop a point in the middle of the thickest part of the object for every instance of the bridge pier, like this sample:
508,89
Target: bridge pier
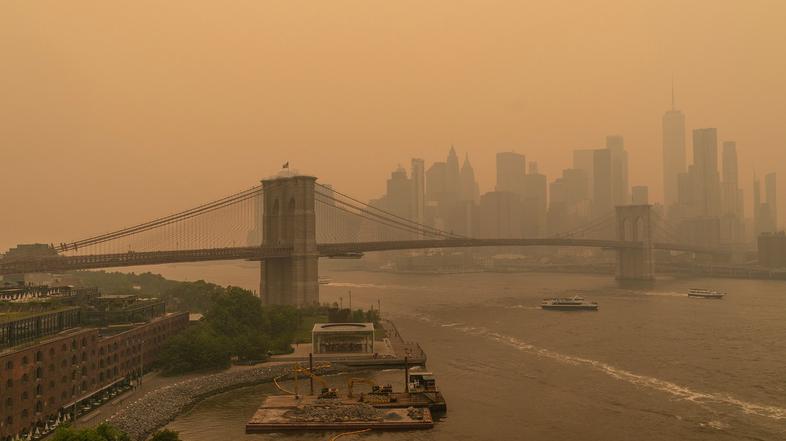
634,224
288,220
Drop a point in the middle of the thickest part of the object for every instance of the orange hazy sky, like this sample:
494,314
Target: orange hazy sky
115,112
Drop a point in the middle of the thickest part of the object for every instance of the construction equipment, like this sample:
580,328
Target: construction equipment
378,393
327,391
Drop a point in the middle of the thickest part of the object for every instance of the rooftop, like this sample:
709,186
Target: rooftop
6,317
343,327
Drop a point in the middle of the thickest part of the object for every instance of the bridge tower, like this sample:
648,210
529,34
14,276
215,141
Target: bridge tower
634,224
288,220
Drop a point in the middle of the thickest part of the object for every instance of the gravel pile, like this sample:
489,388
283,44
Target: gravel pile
157,408
415,413
331,412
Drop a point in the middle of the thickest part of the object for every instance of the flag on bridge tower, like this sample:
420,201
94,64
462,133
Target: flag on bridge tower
286,165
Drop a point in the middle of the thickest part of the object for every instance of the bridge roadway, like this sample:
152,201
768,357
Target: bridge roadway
95,261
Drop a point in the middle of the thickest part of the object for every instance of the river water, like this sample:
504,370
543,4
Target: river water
652,364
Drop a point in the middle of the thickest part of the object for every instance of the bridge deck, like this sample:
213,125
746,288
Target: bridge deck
95,261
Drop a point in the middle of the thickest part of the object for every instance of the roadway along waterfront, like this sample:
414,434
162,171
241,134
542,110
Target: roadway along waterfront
651,364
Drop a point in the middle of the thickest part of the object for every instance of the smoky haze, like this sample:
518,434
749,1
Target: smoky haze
114,113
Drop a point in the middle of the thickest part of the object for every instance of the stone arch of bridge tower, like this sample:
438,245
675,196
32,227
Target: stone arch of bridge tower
627,229
634,224
290,223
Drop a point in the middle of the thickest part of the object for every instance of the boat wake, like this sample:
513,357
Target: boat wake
527,307
676,390
375,286
664,294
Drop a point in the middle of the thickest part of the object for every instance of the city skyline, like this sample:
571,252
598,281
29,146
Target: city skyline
236,103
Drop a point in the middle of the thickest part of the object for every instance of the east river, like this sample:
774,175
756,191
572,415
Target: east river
651,364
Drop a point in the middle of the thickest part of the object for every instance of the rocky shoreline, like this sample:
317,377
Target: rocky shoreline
155,409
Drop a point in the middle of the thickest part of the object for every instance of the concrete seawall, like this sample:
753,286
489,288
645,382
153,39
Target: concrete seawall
155,409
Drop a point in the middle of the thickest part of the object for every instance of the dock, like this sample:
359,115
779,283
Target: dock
285,412
389,352
397,400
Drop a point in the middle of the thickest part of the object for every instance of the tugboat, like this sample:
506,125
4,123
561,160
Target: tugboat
575,303
701,293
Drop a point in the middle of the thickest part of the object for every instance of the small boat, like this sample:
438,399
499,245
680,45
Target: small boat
701,293
324,280
575,303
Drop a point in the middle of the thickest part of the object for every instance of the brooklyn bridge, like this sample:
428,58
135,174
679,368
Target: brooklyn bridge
289,221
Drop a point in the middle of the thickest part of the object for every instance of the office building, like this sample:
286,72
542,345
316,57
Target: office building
511,168
673,153
640,195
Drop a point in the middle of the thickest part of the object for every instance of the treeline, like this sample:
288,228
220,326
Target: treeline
106,432
345,315
237,326
179,296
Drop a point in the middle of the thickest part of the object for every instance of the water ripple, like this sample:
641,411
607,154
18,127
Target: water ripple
676,390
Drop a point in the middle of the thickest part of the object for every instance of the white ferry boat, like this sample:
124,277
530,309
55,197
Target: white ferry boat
701,293
575,303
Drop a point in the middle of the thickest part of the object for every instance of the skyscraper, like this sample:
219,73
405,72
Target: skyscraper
398,198
620,192
452,177
583,159
729,176
640,195
569,204
469,186
673,152
602,200
733,215
704,173
500,215
511,168
534,199
436,178
418,190
770,184
756,206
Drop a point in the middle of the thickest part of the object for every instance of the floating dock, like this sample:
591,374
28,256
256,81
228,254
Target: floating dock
285,412
401,400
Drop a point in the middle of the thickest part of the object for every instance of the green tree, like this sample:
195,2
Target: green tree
197,348
166,435
237,324
102,432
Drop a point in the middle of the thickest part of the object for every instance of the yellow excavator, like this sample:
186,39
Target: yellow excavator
326,392
378,394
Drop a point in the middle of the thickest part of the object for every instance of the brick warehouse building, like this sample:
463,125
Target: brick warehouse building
53,376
